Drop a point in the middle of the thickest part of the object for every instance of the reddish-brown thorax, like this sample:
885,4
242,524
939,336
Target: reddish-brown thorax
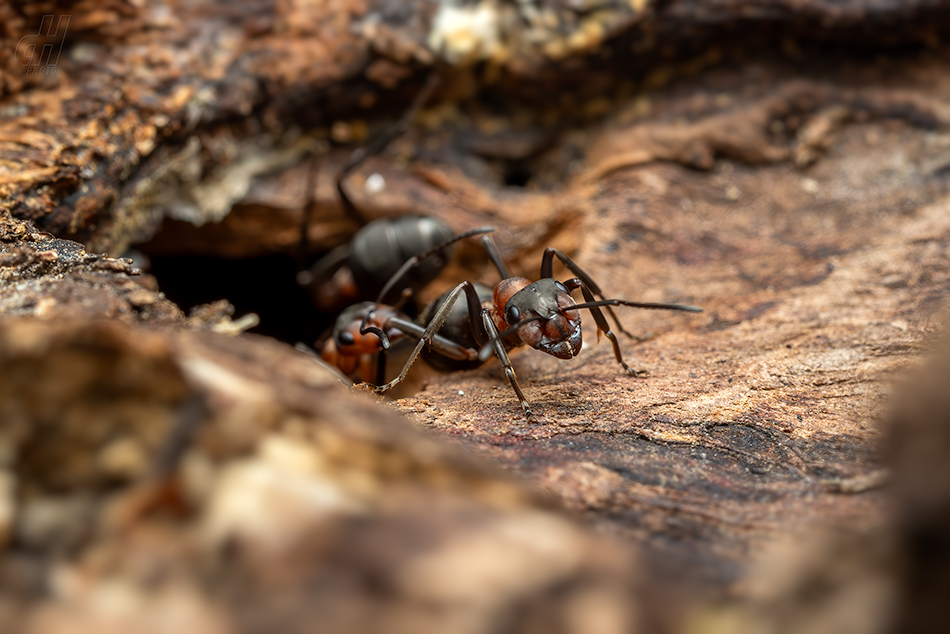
504,291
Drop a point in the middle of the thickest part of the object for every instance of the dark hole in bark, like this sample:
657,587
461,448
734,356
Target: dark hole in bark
263,285
517,173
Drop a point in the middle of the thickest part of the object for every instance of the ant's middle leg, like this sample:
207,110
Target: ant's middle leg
602,324
547,270
474,312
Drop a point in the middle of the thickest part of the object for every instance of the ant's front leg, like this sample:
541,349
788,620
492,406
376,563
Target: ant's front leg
502,354
547,270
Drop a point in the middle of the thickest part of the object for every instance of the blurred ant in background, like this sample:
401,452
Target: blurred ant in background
359,270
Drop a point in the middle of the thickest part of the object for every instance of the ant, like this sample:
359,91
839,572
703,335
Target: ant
359,270
369,329
541,314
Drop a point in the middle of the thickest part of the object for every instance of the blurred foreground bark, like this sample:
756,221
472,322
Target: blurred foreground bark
173,470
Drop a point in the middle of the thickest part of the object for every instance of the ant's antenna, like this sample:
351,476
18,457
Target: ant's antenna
366,328
623,302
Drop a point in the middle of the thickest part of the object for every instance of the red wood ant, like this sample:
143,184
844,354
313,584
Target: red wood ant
541,314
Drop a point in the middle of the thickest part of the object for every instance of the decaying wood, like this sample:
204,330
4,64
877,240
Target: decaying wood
173,470
291,501
817,292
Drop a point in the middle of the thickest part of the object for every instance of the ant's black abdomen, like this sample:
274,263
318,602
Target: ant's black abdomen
381,247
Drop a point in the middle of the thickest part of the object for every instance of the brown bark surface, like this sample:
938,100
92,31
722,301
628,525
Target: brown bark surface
176,470
819,281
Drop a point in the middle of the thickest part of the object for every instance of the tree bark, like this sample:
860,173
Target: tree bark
738,156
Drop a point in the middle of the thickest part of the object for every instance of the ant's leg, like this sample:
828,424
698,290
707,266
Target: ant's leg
303,245
585,282
414,260
547,270
602,325
325,267
474,309
379,144
502,355
403,298
381,365
439,343
495,256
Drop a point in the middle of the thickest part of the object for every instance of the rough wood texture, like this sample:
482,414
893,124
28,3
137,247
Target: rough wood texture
168,469
818,282
177,469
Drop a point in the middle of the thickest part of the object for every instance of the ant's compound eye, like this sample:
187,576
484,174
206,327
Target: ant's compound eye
345,338
560,286
513,315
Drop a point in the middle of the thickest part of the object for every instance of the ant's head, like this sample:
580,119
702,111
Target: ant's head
360,329
549,325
